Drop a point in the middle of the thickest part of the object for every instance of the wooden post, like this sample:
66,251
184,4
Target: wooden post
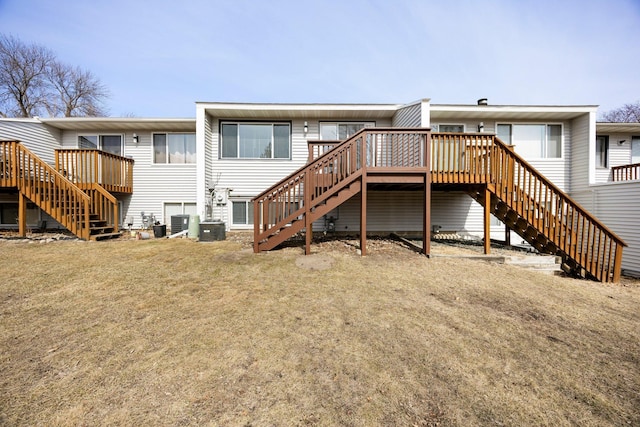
487,221
363,214
256,227
426,216
309,186
22,215
617,263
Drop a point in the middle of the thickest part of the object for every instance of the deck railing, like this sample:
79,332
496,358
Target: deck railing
85,167
324,176
483,158
469,158
46,187
626,172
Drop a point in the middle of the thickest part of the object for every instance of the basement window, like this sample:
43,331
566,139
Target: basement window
242,212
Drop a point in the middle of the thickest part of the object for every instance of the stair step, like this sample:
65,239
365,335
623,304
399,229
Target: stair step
95,229
105,236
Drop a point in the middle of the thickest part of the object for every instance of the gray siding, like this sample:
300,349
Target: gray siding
156,184
249,177
153,184
37,137
401,211
579,164
621,218
409,116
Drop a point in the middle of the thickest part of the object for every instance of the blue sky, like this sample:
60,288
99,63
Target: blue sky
159,57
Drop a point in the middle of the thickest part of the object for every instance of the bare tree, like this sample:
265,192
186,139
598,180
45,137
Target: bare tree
23,77
33,81
76,92
628,113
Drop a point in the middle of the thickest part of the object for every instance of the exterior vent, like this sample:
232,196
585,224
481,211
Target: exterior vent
482,101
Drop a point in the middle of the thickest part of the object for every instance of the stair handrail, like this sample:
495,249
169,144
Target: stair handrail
105,205
294,185
33,176
506,148
579,225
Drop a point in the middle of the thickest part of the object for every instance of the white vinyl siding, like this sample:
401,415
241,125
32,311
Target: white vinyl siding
409,116
401,211
249,177
580,152
37,137
153,184
621,218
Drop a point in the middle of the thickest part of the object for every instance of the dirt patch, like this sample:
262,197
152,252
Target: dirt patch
315,262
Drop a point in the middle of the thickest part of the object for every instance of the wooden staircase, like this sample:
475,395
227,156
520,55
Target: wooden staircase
90,215
489,170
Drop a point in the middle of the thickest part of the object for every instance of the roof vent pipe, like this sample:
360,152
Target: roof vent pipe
482,101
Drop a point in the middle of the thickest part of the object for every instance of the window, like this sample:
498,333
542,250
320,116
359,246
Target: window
602,151
109,143
174,148
178,208
242,212
635,149
339,131
457,128
533,141
255,140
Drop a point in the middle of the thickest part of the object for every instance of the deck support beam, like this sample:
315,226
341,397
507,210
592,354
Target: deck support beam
363,215
487,221
22,215
426,216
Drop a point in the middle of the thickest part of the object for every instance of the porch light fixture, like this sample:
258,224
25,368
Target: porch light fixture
306,127
135,138
481,127
622,141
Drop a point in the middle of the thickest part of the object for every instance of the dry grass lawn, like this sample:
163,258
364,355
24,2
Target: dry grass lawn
176,332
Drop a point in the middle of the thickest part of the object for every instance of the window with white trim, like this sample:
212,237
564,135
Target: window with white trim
533,141
635,149
240,140
109,143
174,148
339,131
447,127
602,152
242,212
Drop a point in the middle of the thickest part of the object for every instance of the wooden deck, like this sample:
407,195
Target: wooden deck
76,192
482,165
